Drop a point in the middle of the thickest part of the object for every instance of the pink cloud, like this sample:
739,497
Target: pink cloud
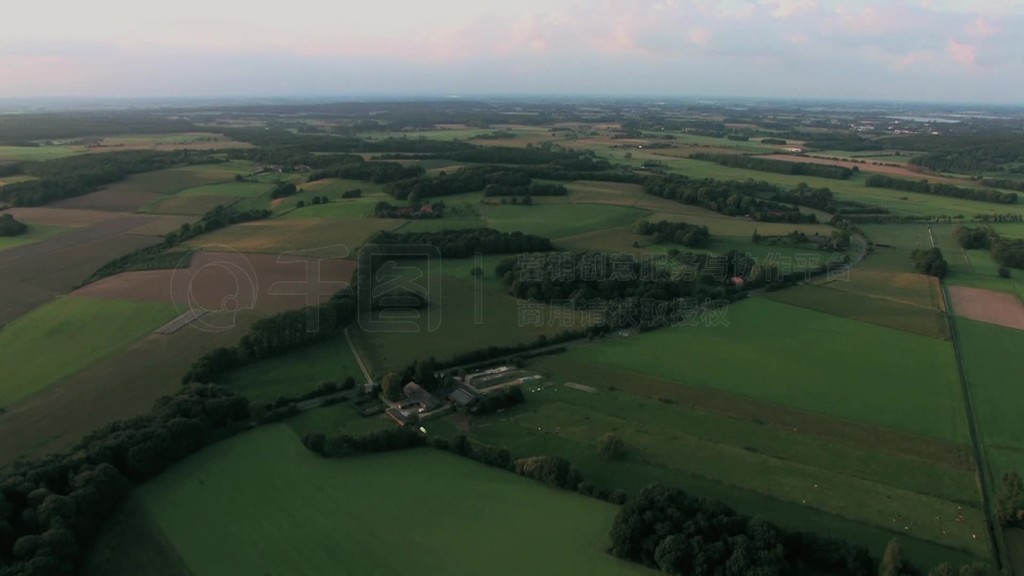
982,27
701,36
788,8
911,59
966,54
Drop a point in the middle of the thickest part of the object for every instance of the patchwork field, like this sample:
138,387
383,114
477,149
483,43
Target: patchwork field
122,384
313,237
67,335
36,233
138,190
778,463
231,281
327,520
33,273
909,384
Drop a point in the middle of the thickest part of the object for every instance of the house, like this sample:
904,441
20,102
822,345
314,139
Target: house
397,415
426,400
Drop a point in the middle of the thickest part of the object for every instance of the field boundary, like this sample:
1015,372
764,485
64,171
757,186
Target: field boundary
981,464
181,321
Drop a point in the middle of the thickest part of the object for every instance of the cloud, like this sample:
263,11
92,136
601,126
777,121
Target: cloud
982,27
966,54
701,36
790,8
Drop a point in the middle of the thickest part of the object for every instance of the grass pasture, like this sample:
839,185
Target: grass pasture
36,153
843,479
67,335
856,306
557,221
36,233
450,324
295,373
260,503
989,354
140,190
909,384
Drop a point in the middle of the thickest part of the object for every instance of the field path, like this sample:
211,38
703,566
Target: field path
359,359
981,464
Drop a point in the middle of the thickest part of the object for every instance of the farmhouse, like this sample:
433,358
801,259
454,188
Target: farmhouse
425,399
397,415
463,395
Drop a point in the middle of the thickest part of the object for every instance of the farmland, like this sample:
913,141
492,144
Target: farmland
238,485
68,335
831,404
296,373
731,355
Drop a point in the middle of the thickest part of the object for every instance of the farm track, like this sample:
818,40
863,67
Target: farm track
972,426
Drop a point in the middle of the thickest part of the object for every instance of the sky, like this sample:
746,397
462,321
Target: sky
900,50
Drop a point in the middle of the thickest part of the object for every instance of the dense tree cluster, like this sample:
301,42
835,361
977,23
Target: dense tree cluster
936,189
356,168
480,355
732,198
388,440
847,142
354,193
423,211
1007,252
525,189
30,128
987,151
667,529
929,261
1006,183
277,334
283,190
460,243
776,166
77,175
11,227
52,506
664,232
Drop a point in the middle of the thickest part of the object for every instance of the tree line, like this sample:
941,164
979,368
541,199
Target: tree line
663,232
776,166
525,190
51,507
936,189
11,227
276,335
76,175
731,198
158,257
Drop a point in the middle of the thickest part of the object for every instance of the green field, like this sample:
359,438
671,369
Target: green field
295,373
67,335
36,233
232,189
36,152
808,360
990,354
674,444
856,306
558,220
450,324
260,503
